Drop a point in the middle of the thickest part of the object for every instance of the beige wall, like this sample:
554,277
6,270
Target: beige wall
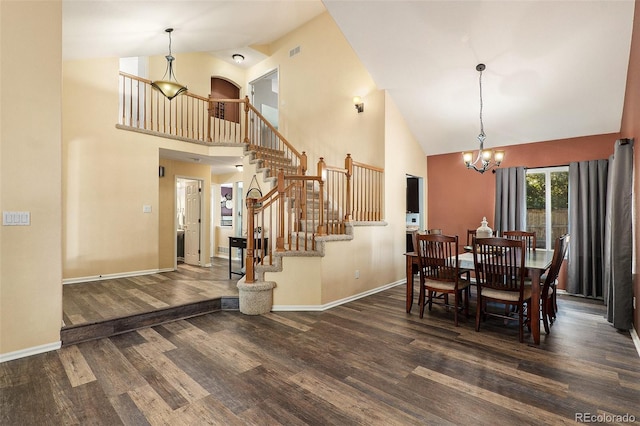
404,156
30,174
321,120
376,252
316,91
110,174
167,209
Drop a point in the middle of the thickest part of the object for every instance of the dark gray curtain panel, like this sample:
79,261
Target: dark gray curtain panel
511,200
618,285
587,208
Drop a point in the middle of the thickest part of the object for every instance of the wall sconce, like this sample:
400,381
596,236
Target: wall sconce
358,103
239,167
237,58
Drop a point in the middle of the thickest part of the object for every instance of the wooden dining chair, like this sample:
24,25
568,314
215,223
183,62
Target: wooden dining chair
434,231
528,237
548,302
440,273
470,234
500,278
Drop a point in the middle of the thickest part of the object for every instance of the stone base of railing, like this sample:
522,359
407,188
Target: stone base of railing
255,298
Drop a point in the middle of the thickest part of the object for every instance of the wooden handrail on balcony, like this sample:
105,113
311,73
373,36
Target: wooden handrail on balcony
143,108
301,207
207,121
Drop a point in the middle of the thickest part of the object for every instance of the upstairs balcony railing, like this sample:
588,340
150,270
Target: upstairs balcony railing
206,121
145,109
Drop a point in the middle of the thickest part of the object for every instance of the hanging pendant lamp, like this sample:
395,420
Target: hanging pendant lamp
486,159
170,88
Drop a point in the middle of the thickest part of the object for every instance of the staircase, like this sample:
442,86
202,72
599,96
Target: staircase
271,159
300,211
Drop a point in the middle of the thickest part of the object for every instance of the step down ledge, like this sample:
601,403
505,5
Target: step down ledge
111,327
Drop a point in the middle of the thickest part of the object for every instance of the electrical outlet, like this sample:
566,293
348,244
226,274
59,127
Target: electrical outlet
357,274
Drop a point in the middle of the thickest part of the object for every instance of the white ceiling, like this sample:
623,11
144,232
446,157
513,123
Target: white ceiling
555,68
219,164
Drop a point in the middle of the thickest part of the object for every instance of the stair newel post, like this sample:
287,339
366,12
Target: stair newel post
209,115
302,169
281,211
348,165
322,174
246,119
249,265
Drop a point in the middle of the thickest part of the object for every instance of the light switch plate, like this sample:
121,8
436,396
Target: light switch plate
146,208
16,218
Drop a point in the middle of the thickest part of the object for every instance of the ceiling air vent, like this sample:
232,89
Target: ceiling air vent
294,51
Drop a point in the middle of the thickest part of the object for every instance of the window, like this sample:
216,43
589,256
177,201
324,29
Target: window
548,204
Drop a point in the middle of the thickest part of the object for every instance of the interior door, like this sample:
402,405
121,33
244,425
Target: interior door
264,96
192,223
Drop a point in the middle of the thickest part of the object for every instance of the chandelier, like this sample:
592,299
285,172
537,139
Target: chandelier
169,88
486,158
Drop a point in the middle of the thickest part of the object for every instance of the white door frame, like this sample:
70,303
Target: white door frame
251,84
175,218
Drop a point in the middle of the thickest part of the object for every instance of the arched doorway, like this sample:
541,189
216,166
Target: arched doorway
225,89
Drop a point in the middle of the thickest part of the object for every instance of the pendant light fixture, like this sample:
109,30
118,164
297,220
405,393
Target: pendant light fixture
170,88
486,159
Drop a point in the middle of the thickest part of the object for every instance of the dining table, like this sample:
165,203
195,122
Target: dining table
536,262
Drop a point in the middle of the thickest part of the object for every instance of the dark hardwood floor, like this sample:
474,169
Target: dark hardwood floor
112,306
365,362
120,297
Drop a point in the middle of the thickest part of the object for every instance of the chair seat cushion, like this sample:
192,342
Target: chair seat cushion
509,296
552,288
446,285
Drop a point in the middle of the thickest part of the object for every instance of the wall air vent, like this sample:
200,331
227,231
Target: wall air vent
294,51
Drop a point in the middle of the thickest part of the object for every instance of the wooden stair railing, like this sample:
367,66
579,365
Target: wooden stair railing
366,191
268,145
300,208
275,152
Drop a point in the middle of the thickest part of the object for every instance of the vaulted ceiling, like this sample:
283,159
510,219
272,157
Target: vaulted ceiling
554,69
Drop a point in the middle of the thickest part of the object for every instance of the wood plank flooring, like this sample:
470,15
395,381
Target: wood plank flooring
365,362
97,301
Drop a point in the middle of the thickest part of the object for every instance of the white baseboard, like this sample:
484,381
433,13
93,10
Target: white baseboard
636,339
23,353
114,276
316,308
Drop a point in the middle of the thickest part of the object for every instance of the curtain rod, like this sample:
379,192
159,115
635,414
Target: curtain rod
538,167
